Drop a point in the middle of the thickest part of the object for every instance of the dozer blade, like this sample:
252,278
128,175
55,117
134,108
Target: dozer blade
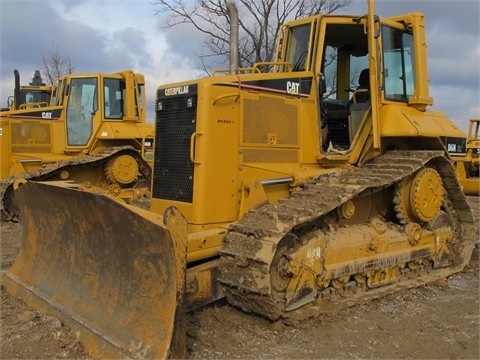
112,272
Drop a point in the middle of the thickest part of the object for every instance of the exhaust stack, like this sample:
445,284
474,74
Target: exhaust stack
16,92
233,14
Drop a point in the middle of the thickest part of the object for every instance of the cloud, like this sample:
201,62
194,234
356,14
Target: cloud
454,69
186,40
30,30
453,48
112,35
97,36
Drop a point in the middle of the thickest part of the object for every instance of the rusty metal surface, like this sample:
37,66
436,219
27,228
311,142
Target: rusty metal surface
107,270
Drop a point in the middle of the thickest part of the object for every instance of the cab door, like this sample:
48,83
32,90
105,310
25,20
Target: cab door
82,107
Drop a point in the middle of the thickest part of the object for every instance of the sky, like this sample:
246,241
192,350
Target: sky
112,35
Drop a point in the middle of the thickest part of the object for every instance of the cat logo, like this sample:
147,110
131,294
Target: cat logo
179,90
292,87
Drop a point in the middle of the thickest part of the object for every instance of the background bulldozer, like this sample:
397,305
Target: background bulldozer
36,94
93,131
278,188
466,157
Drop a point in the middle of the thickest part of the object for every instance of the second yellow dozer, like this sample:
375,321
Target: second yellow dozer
34,95
93,132
272,186
466,157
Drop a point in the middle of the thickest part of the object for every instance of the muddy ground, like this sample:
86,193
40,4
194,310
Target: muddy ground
436,321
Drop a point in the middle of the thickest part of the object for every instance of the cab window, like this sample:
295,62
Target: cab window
114,104
399,67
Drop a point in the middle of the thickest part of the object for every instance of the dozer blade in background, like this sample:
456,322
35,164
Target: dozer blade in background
112,272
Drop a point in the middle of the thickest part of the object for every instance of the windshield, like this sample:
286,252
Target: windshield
297,47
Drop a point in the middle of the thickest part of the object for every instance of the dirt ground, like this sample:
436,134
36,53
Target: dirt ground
436,321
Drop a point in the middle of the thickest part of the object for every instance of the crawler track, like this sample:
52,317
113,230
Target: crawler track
246,270
51,170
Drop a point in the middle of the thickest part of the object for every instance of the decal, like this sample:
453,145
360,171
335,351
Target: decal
46,114
54,114
456,146
292,87
314,253
176,90
225,121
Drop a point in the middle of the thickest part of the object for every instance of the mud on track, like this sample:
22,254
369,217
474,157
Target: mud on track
436,321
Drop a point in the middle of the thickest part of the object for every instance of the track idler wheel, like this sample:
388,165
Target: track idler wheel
419,197
122,169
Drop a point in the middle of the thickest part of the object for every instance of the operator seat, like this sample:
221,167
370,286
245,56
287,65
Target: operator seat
362,93
359,104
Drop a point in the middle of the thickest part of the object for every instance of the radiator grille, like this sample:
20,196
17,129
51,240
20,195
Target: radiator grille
268,117
173,170
31,137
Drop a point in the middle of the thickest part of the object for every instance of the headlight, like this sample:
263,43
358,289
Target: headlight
191,102
160,106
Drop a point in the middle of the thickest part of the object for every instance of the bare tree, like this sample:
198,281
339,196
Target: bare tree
259,23
55,64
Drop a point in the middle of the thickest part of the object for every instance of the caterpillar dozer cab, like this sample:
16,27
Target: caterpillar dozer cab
36,94
273,186
466,156
92,133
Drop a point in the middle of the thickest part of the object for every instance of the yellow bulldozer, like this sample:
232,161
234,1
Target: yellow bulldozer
466,156
273,186
36,94
87,130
